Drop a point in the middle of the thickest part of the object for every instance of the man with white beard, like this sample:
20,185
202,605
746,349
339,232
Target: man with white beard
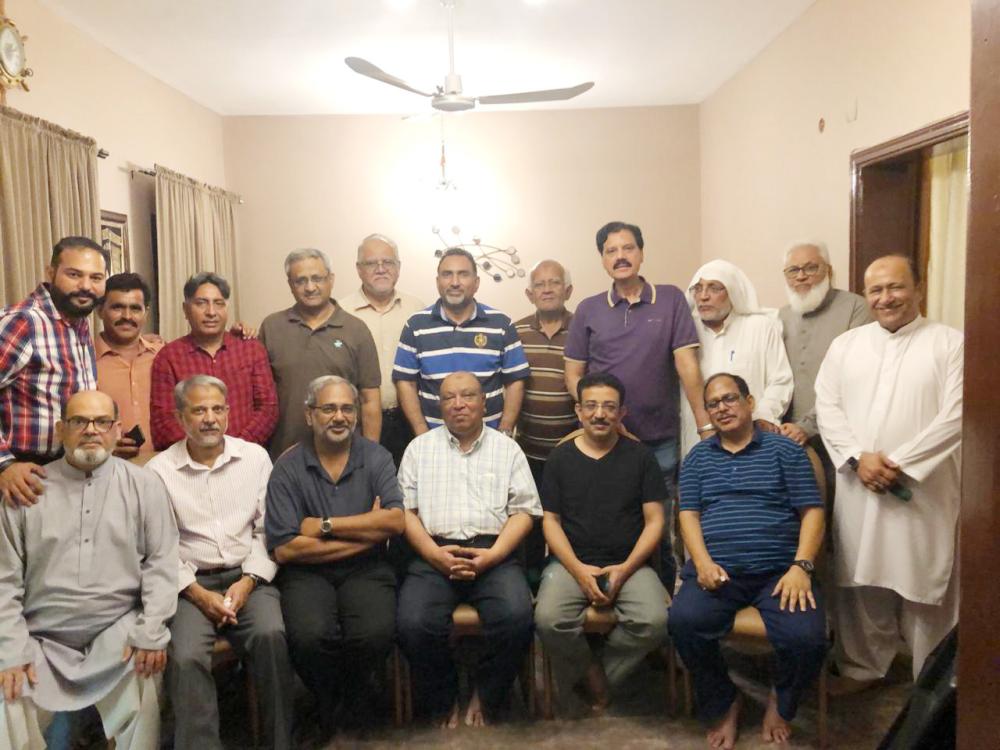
815,315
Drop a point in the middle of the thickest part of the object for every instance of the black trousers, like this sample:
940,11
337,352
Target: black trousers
340,621
396,433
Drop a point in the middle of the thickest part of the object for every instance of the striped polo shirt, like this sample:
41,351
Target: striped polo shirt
749,500
431,347
547,414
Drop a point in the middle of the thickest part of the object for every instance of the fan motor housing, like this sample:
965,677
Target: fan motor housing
453,102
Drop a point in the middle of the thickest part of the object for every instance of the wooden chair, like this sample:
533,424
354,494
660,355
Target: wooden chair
465,624
750,636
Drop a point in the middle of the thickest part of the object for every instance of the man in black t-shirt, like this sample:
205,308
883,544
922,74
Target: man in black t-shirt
602,494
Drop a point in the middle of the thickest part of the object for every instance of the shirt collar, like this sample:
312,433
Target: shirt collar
101,347
360,300
453,441
43,298
535,324
647,295
755,439
227,340
355,458
77,474
439,311
336,317
231,451
909,328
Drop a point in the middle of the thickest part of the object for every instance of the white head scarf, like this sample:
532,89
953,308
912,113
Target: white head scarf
742,294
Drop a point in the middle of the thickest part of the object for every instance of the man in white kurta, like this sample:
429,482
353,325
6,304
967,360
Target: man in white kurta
88,580
739,337
889,406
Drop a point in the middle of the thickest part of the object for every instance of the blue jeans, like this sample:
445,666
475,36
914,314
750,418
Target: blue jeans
667,457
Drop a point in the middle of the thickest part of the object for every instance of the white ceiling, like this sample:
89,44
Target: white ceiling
267,57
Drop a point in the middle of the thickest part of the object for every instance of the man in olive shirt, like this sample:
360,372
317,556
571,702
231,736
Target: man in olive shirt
315,337
384,309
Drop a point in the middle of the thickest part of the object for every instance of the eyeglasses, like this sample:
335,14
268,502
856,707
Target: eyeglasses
101,424
729,399
809,269
609,407
328,410
710,288
388,264
303,281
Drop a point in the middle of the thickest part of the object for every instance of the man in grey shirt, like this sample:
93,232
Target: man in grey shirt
815,315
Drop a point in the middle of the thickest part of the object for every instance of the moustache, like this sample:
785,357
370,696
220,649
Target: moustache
84,295
124,323
622,264
600,422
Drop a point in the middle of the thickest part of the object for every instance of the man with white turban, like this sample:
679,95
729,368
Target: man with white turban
739,337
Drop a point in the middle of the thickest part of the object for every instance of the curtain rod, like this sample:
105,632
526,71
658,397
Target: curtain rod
133,168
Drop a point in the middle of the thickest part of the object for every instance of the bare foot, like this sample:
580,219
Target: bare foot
723,735
774,728
451,721
474,714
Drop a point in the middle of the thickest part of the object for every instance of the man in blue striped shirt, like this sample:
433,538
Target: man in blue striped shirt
458,334
752,521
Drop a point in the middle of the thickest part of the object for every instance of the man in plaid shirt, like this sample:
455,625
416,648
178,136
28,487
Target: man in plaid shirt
209,349
46,355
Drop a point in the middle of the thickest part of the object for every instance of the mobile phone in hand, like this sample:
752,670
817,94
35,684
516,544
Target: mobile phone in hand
603,582
136,436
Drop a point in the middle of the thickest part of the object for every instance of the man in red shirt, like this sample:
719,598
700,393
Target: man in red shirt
242,364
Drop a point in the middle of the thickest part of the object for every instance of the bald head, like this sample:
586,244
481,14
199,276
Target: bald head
462,404
892,291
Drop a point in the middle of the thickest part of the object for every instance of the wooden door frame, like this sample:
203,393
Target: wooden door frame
979,617
930,135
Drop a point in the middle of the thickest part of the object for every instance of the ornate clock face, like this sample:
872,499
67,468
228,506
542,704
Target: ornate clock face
11,51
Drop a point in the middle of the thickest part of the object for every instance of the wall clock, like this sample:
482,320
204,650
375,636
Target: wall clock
13,63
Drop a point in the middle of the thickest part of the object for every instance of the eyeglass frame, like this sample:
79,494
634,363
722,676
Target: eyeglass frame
792,272
728,399
80,424
387,263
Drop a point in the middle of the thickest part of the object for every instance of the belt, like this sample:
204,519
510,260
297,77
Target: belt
480,540
215,571
392,412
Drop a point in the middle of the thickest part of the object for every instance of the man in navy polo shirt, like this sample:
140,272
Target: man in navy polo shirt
458,334
752,521
642,334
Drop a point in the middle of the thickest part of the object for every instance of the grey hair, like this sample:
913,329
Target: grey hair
567,279
305,254
318,384
197,381
381,238
824,253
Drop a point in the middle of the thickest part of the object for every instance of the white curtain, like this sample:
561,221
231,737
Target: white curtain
948,224
195,231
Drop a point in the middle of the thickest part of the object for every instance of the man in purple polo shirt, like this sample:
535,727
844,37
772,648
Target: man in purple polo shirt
644,335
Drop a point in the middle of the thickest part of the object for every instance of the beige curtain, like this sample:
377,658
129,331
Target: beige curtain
948,224
48,190
195,231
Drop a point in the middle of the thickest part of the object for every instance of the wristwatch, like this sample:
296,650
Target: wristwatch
326,526
806,565
257,580
853,463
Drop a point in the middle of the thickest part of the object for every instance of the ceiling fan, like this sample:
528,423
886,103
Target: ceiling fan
449,98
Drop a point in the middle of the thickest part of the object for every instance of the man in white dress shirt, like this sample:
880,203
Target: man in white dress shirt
739,337
889,406
217,484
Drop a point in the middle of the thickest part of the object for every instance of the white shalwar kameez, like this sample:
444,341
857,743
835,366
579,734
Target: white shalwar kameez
894,562
88,570
748,344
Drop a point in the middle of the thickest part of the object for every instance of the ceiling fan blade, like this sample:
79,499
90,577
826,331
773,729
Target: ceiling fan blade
549,95
366,68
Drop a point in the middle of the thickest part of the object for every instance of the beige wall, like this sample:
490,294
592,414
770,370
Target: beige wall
82,85
873,71
543,182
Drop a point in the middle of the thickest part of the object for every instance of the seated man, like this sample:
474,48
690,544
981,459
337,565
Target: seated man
88,580
470,501
217,484
332,502
603,498
752,521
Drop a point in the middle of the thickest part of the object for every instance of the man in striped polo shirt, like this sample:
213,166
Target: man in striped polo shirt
458,334
752,521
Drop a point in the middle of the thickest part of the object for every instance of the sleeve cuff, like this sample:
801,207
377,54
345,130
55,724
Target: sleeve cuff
265,569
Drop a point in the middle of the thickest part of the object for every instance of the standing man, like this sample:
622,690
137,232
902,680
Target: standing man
385,310
88,582
470,501
125,356
815,315
210,350
737,336
752,521
217,484
458,334
316,337
642,334
332,503
889,406
603,499
46,355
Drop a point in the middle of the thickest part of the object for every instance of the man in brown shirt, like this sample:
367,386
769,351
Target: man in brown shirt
314,337
125,356
547,412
